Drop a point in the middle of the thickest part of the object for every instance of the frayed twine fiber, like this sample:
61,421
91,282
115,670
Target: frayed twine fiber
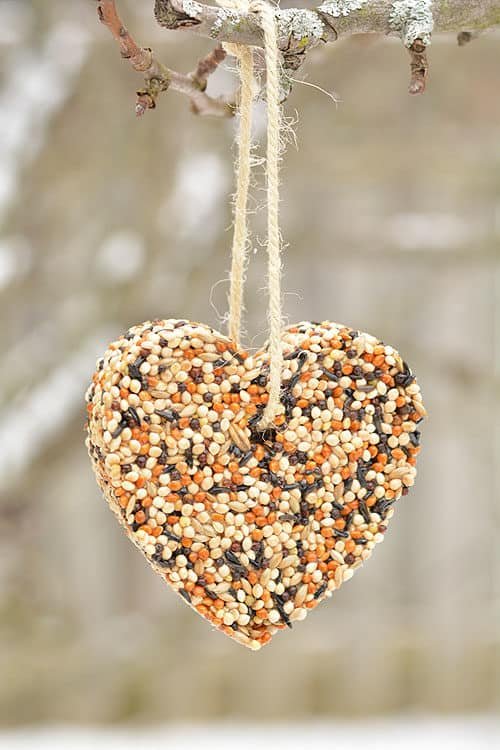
244,55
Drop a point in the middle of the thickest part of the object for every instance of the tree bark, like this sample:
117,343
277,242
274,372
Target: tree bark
299,30
333,19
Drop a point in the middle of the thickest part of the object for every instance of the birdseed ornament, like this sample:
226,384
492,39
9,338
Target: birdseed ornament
255,484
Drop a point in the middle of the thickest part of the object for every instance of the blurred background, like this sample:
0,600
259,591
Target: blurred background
391,212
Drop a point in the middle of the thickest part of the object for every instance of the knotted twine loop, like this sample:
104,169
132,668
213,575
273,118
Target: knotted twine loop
240,240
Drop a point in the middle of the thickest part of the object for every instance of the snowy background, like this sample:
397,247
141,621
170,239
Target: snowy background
391,208
479,733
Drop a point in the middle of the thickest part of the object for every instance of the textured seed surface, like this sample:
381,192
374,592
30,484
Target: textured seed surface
253,529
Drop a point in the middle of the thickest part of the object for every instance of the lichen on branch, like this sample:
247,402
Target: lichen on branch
412,20
299,30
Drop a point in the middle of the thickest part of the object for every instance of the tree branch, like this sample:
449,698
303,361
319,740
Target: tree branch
413,21
159,78
418,67
299,30
333,19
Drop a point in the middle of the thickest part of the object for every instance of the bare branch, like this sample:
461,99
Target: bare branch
158,77
299,30
418,67
413,21
208,65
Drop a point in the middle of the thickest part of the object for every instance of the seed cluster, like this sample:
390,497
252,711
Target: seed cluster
253,529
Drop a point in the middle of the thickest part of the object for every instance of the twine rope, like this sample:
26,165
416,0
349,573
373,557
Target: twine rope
240,239
239,251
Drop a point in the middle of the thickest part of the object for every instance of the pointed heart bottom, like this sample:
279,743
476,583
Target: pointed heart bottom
253,529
